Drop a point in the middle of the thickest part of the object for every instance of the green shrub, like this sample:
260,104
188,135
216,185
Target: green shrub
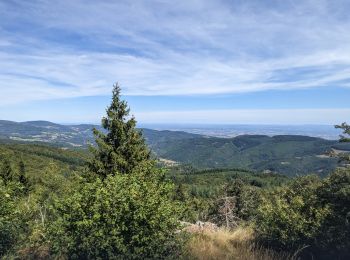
291,217
9,216
334,235
123,216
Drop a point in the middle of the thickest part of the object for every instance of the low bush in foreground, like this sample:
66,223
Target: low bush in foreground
123,216
309,214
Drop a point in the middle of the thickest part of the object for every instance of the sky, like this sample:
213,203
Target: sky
192,62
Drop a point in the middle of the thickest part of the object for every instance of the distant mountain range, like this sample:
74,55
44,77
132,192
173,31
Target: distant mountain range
323,131
287,154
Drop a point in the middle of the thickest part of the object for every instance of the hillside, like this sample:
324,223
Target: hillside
286,154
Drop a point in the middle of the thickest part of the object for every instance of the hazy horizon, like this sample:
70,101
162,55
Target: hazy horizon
232,130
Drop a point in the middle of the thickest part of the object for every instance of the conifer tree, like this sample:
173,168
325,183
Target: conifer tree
121,147
6,172
22,175
128,212
346,132
345,137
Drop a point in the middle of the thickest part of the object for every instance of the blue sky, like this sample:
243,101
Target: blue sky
258,62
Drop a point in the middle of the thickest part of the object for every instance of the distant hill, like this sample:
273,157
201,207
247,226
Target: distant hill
43,131
287,154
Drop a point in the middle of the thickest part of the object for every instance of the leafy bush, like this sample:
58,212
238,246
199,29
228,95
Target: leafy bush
291,217
10,221
335,233
122,216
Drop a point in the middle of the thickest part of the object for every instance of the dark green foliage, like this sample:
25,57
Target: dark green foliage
122,216
346,132
308,213
22,178
290,217
247,198
122,148
6,172
237,203
341,154
209,183
289,155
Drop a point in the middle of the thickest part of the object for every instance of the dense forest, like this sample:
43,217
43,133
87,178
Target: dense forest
116,201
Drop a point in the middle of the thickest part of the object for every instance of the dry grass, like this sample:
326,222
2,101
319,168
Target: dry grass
224,244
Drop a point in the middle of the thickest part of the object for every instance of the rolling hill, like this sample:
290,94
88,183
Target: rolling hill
286,154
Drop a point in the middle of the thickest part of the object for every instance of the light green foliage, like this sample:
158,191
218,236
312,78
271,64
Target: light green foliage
335,193
290,217
122,148
8,218
34,209
122,216
12,221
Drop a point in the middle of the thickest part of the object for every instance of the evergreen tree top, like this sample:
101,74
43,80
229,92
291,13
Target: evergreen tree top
122,147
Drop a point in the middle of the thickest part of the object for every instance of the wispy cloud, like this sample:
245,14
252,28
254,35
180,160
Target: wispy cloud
78,48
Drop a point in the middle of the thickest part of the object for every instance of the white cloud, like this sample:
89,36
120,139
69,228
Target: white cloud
167,48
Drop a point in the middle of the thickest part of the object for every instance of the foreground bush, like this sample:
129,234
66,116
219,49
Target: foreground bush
8,218
291,217
12,216
334,235
309,214
122,216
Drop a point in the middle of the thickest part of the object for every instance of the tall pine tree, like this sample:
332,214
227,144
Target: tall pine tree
121,147
128,212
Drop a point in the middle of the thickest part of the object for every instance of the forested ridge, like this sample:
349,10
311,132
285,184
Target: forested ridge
286,154
117,201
